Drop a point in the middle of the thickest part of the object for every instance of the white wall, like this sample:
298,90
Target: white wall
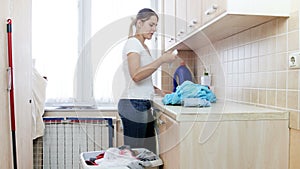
20,13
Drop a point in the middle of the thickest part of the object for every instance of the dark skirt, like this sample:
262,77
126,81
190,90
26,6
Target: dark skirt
138,123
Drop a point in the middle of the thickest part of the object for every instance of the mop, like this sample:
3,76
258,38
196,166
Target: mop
11,91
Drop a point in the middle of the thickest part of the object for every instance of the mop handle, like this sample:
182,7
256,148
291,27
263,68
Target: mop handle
10,71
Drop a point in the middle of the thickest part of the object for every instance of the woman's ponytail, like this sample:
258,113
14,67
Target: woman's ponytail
133,21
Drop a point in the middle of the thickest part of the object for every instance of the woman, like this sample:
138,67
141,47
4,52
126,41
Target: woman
138,66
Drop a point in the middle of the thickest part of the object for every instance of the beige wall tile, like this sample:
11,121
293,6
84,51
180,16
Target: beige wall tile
271,80
235,53
293,79
262,76
263,63
281,98
246,95
271,59
281,61
241,64
262,94
292,100
254,49
267,46
255,80
254,64
271,97
293,40
235,66
229,54
281,43
281,80
254,96
247,63
293,21
247,51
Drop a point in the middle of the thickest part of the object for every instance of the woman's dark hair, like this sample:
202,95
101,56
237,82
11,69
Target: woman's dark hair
143,15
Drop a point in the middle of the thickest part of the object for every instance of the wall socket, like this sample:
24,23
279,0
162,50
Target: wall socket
294,60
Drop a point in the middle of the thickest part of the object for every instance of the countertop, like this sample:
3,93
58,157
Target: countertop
221,111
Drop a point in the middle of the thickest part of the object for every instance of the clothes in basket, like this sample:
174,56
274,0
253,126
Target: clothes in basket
123,157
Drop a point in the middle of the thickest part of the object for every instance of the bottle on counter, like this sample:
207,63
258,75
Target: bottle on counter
206,79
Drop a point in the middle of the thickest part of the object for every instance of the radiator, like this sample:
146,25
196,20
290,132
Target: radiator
65,138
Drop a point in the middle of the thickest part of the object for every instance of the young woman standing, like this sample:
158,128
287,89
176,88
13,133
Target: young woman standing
138,66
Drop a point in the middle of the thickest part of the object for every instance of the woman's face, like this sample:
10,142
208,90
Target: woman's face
148,27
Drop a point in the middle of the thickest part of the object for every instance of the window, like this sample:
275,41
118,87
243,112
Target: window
66,35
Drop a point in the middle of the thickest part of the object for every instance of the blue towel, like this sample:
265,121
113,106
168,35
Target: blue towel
189,89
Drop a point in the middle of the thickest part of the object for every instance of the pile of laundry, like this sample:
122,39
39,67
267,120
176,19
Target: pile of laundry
123,156
189,89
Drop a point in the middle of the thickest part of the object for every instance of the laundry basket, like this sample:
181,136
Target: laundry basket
92,154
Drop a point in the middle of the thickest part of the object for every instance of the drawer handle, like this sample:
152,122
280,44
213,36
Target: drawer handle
211,10
193,22
161,122
180,33
171,39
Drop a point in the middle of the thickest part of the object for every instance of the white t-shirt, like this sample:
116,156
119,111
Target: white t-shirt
136,90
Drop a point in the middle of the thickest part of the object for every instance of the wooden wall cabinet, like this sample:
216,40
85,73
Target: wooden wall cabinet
181,19
220,19
193,13
169,34
211,9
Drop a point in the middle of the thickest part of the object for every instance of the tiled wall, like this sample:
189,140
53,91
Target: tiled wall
252,66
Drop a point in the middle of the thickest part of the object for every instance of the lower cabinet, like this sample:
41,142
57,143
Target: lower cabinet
223,144
169,141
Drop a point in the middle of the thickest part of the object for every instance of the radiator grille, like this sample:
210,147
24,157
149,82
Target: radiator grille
65,138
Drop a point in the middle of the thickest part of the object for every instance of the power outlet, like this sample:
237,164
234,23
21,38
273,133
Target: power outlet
294,60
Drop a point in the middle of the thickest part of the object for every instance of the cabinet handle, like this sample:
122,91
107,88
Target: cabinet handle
161,122
171,39
193,22
211,10
180,33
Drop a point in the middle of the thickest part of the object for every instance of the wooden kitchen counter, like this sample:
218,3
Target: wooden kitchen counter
220,111
226,135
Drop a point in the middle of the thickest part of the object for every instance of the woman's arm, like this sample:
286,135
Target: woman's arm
138,72
161,92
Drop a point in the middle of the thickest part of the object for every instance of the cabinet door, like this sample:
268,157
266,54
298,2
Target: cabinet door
212,9
181,23
169,142
169,23
193,14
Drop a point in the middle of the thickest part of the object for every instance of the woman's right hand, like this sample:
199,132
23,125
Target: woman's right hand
168,57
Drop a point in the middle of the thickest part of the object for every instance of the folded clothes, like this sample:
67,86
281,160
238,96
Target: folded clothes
195,102
189,89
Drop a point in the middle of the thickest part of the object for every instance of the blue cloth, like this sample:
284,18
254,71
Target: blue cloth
189,89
